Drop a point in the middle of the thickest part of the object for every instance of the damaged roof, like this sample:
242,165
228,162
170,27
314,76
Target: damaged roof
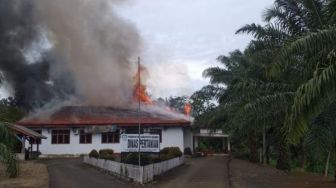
78,116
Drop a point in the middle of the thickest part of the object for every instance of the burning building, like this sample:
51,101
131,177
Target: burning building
79,129
56,51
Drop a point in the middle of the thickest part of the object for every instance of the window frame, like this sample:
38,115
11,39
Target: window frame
62,136
85,138
110,137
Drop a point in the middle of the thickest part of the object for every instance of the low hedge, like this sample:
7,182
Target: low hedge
171,151
107,157
94,153
104,152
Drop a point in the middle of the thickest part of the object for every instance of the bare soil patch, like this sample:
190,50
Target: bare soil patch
32,175
246,174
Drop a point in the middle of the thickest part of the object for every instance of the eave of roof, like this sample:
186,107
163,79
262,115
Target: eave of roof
79,116
25,131
102,123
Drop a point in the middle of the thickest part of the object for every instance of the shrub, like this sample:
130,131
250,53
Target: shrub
171,151
106,152
164,157
94,153
133,158
187,151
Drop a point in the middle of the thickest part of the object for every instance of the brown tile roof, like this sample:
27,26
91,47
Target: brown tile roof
78,116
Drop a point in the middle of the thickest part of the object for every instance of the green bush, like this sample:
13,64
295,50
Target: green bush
133,158
187,151
94,153
165,157
171,151
107,157
156,159
106,152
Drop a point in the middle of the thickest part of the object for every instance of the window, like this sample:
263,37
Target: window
85,138
110,137
157,131
60,136
37,140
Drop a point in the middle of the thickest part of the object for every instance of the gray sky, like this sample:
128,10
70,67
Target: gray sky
183,37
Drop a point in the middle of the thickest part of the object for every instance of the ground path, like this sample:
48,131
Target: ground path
209,172
197,173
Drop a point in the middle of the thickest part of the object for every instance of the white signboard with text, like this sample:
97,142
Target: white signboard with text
148,143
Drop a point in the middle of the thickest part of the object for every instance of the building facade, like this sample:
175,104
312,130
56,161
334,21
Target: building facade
74,131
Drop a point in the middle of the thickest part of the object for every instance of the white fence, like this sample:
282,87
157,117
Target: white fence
132,172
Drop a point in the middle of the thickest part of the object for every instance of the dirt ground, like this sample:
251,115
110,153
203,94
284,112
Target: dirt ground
246,174
209,172
32,175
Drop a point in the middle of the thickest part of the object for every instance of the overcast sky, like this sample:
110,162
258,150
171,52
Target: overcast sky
183,37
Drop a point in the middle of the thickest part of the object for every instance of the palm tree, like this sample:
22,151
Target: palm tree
7,139
302,30
283,84
6,151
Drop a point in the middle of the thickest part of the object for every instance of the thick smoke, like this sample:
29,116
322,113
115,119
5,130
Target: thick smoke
98,46
17,31
53,49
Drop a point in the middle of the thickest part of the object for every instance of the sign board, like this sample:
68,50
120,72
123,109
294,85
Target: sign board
148,143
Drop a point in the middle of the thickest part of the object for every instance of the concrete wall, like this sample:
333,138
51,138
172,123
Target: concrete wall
171,137
188,138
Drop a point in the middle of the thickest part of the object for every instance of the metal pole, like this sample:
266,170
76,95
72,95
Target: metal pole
139,115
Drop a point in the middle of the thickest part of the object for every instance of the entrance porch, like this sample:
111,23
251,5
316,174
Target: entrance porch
219,141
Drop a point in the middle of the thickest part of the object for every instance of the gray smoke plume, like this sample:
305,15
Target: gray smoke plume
59,48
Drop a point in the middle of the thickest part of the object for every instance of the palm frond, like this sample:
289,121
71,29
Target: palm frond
310,99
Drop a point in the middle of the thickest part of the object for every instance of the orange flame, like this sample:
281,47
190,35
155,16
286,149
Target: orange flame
140,90
187,109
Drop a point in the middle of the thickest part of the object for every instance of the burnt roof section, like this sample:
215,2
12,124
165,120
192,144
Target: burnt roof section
84,115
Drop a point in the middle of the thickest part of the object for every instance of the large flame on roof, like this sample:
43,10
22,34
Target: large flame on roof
140,90
187,109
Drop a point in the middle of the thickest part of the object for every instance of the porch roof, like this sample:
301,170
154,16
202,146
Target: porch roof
25,131
213,135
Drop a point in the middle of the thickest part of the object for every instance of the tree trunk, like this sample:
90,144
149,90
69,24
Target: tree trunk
283,160
327,165
303,157
335,163
264,146
253,146
268,154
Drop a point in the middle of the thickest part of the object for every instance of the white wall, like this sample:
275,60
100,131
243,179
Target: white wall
172,136
188,138
74,147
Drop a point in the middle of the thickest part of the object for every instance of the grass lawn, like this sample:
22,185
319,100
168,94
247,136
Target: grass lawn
32,175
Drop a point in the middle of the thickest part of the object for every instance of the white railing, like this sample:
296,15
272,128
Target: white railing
132,172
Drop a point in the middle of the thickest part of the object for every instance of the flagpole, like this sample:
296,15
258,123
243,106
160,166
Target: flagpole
139,115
